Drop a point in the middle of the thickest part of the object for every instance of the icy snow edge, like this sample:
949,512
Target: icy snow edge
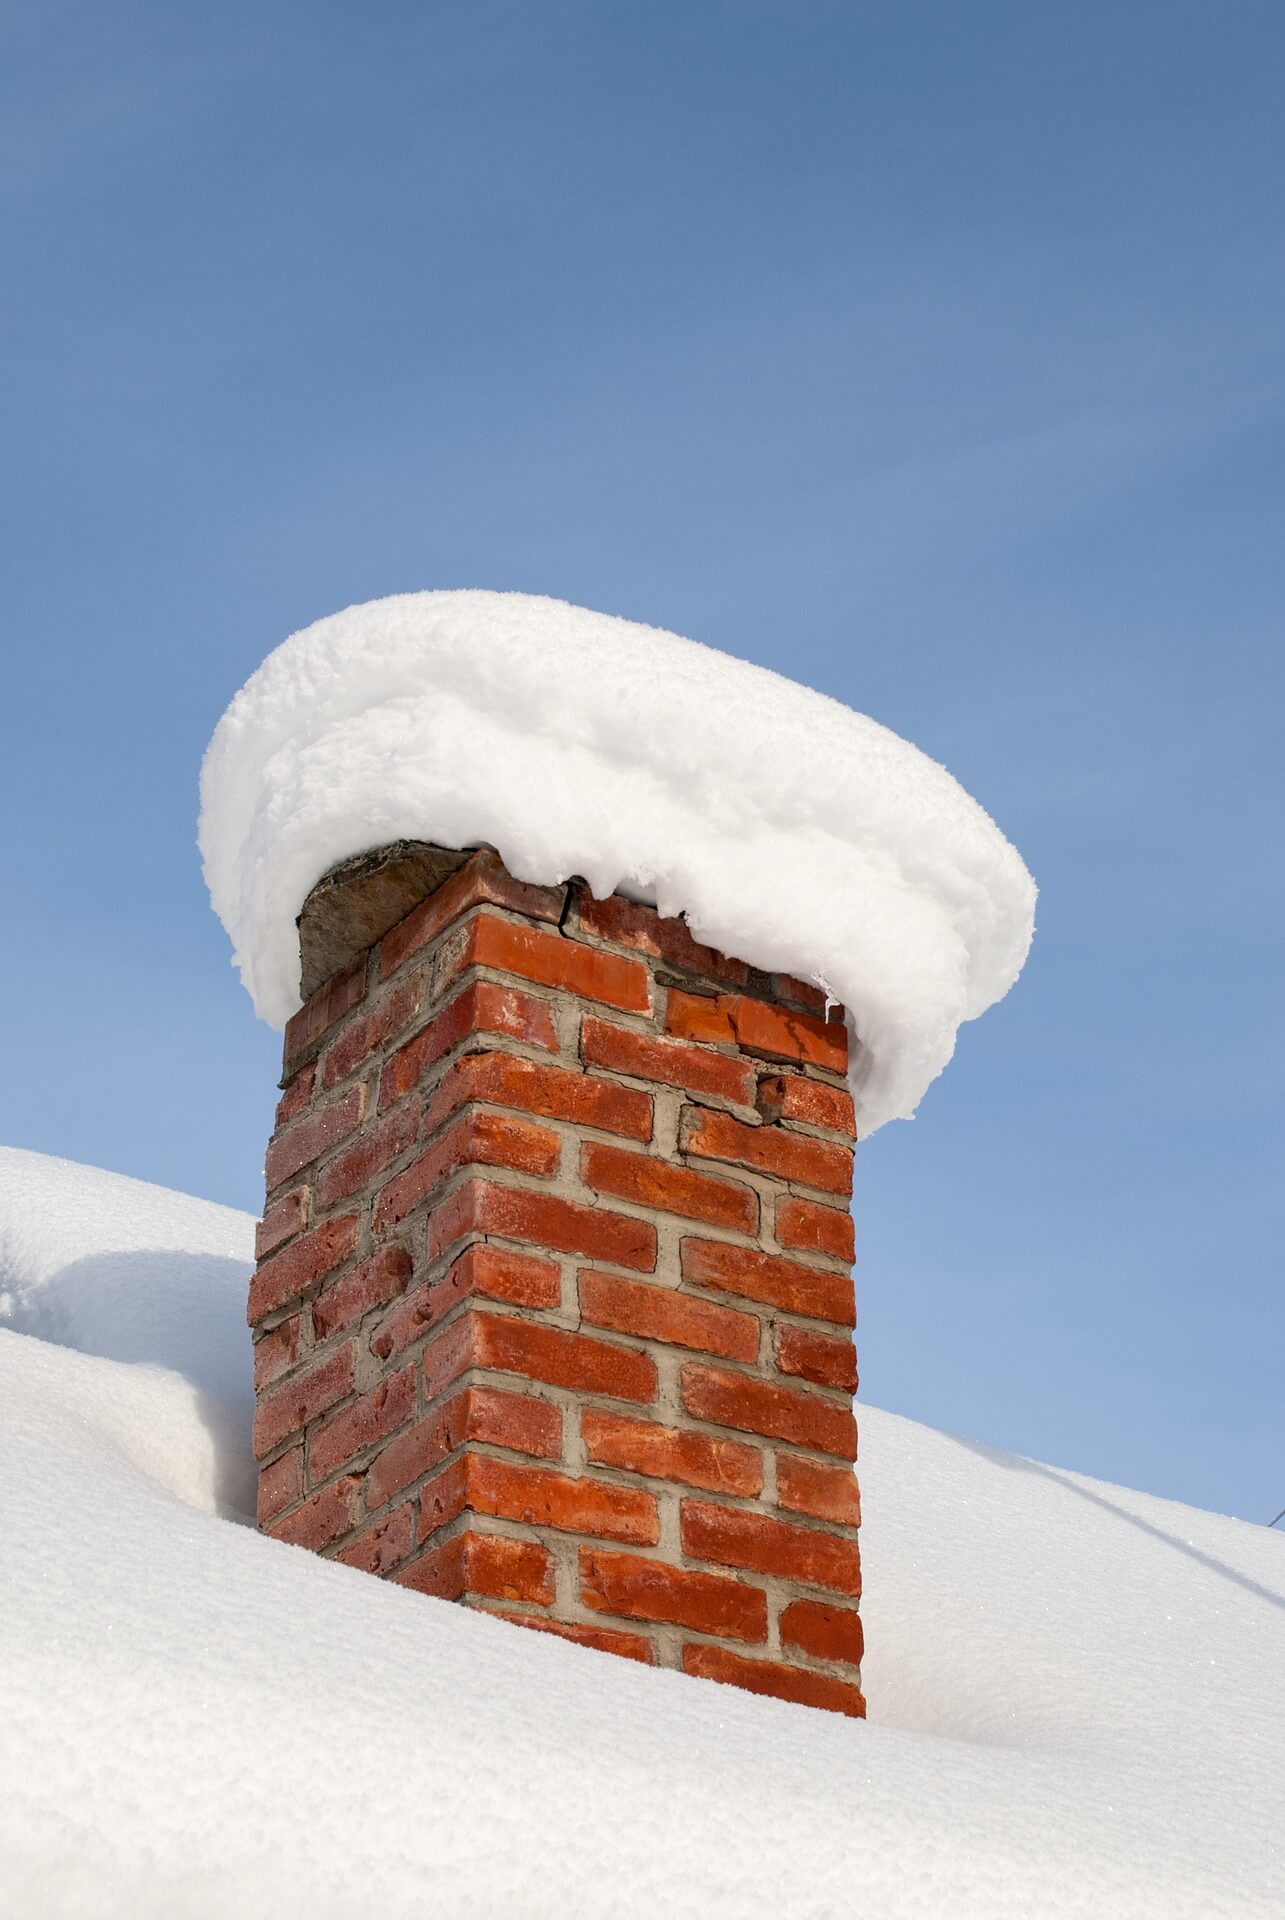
791,832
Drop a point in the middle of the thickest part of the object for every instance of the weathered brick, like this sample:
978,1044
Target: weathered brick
280,1484
635,1588
518,1421
662,1313
371,1418
297,1095
276,1352
323,1518
300,1265
384,1544
355,1047
732,1537
483,1007
286,1217
539,1497
288,1408
825,1492
651,1182
647,1057
488,1564
317,1132
787,1156
332,1000
481,881
554,1093
784,1096
804,1688
542,1220
626,924
490,1273
374,1149
539,1352
759,1406
775,1033
820,1357
478,1138
766,1277
822,1631
702,1460
375,1282
811,1228
630,1646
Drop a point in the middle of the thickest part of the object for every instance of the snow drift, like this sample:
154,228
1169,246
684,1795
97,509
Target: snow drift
1076,1691
791,832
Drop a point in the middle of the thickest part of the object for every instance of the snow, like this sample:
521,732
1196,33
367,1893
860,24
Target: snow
1076,1691
793,833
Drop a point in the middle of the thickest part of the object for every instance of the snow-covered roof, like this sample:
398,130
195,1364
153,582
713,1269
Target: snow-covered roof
1074,1690
792,832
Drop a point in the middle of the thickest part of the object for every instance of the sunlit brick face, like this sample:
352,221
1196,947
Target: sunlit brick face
553,1312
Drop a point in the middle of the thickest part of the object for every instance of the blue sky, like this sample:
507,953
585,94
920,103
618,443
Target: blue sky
932,355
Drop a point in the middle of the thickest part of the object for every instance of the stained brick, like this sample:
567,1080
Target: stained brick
635,1588
626,924
767,1277
332,1000
814,1103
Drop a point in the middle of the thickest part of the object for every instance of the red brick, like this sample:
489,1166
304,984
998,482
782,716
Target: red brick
477,1138
280,1484
372,1284
332,1000
625,923
630,1646
640,1589
276,1352
755,1027
319,1131
676,1064
298,1266
662,1313
781,1683
758,1406
539,1497
384,1544
804,993
810,1228
540,1352
820,1357
484,1007
362,1039
290,1406
481,881
553,960
786,1096
370,1419
297,1097
823,1632
825,1492
670,1453
734,1538
763,1276
649,1182
373,1149
555,1093
788,1156
518,1421
286,1217
543,1220
488,1272
489,1564
323,1518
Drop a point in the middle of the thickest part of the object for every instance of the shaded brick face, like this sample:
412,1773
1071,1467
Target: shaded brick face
553,1308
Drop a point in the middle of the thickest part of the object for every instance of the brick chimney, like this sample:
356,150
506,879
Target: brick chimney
553,1308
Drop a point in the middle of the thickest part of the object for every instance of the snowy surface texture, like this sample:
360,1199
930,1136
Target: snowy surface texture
792,832
1076,1692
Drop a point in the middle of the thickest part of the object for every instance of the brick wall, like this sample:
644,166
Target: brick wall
553,1307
